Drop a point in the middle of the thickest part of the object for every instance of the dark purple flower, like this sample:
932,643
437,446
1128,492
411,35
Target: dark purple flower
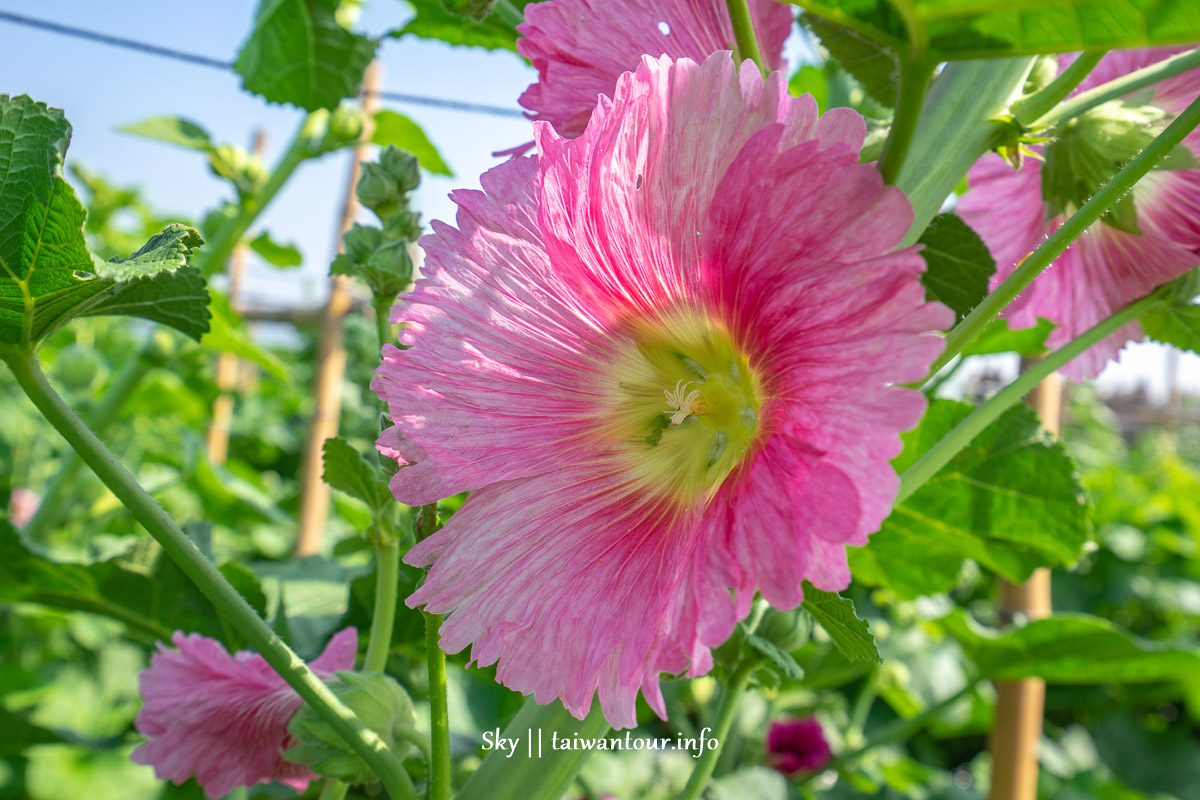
797,745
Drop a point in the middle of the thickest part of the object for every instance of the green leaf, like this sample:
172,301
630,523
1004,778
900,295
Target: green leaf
279,255
810,79
349,471
1011,501
400,131
1072,649
778,658
963,29
17,735
172,130
848,631
47,274
761,783
958,264
297,53
178,299
998,338
433,21
1177,325
151,600
870,63
226,334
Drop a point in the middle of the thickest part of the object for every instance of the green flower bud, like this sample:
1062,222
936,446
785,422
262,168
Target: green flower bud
345,127
244,170
403,166
377,700
787,630
1093,147
77,368
377,190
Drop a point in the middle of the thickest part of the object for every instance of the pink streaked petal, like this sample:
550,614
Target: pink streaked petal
581,47
571,583
500,352
223,718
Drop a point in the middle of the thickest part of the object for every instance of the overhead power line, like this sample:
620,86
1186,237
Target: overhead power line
214,63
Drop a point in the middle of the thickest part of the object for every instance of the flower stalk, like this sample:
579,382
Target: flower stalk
914,83
730,699
743,32
439,712
1032,106
1033,265
231,605
1118,88
961,435
383,618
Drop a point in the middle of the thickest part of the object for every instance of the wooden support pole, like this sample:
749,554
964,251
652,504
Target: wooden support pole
331,359
1020,704
217,438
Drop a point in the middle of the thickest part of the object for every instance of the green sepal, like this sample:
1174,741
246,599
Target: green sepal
377,700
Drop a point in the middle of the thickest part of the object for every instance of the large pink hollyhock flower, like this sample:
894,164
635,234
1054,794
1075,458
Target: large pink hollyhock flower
581,47
1106,268
659,356
223,718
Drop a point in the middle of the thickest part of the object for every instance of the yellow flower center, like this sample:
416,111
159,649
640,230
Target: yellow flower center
681,405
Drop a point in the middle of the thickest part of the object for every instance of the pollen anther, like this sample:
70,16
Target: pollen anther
681,406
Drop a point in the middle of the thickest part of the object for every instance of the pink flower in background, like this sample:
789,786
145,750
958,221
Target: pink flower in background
223,718
581,47
797,745
660,358
22,505
1107,267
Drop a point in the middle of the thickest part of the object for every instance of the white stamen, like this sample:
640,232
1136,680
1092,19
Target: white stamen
681,406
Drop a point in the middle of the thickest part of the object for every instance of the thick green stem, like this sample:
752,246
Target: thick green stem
914,83
1118,88
949,445
383,326
962,119
439,712
971,326
383,618
724,721
222,243
56,500
1034,105
333,790
231,605
743,32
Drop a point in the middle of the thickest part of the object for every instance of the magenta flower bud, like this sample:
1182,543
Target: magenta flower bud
797,745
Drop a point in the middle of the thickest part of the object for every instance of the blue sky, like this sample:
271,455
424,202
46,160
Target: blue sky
101,88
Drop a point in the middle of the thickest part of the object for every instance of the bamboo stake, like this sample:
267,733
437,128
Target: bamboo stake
1020,704
331,359
217,437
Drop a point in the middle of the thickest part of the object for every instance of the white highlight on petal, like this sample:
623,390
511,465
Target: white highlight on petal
681,405
664,28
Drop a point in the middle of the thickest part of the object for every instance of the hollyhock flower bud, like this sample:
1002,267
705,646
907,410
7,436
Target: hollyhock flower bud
22,505
581,47
665,357
223,719
797,745
1149,238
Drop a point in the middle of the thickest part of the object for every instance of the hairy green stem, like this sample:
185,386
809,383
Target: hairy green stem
1034,105
743,32
56,500
439,712
231,605
961,120
383,325
1033,265
383,618
221,245
729,702
914,83
894,731
1118,88
961,435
